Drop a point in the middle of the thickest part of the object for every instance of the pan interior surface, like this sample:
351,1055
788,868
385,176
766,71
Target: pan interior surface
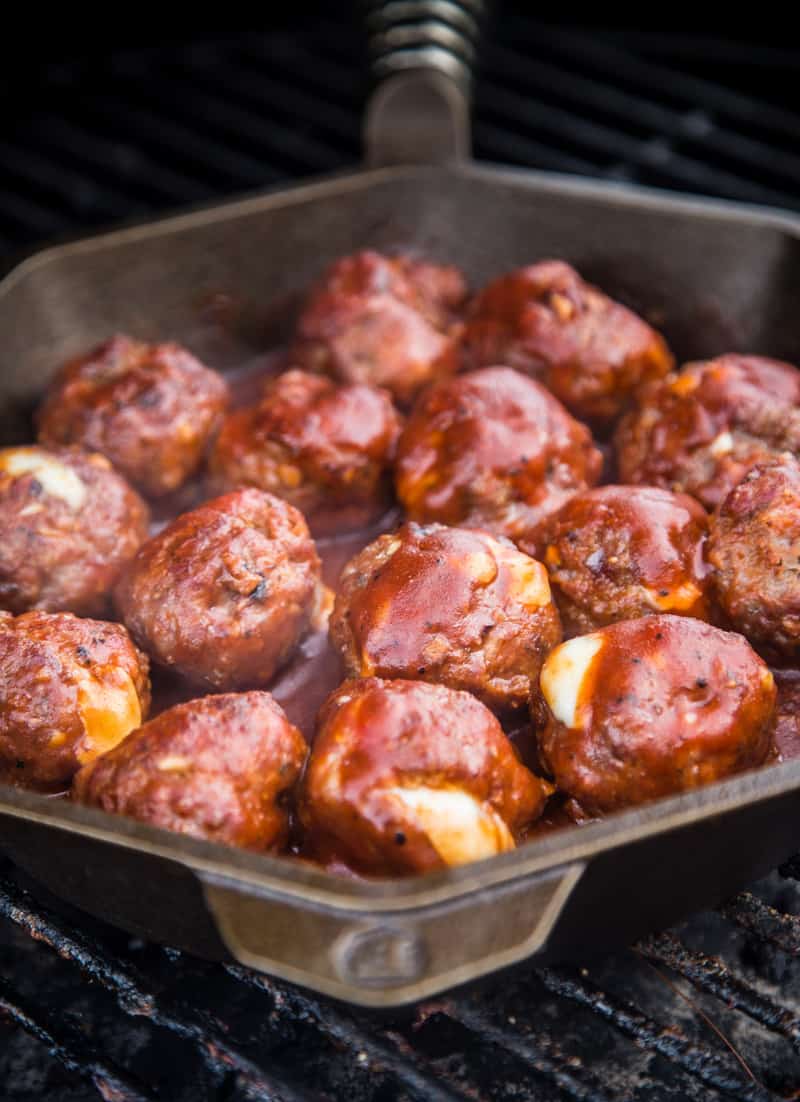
226,282
714,277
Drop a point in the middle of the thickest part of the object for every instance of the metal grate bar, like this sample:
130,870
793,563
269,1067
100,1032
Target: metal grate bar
496,142
217,160
693,126
667,82
669,1041
75,193
119,161
266,93
71,1048
650,155
711,975
345,1033
756,916
233,123
70,944
535,1052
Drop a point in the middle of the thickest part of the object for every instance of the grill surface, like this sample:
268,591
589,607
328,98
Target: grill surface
709,1011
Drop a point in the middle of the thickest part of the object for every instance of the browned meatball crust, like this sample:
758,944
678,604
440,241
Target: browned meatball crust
447,605
389,321
222,768
618,552
700,431
69,525
150,408
224,593
325,447
492,449
754,548
546,321
70,689
652,707
409,777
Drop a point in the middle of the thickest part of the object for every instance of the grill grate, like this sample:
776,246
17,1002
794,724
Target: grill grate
143,131
147,130
595,1033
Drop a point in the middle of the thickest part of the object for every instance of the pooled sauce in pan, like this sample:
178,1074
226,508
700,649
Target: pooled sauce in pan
315,669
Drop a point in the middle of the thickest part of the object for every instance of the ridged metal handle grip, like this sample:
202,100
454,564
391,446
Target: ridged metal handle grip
422,54
424,34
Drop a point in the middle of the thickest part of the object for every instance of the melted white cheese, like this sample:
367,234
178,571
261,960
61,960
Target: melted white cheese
722,445
564,673
459,827
56,478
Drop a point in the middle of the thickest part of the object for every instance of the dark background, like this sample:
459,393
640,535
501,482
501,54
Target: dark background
120,118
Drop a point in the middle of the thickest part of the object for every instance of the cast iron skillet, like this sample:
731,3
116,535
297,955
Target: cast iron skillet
719,277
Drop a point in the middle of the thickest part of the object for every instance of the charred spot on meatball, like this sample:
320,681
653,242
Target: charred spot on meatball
492,449
754,548
700,431
70,689
150,408
220,768
389,321
69,524
652,707
324,447
589,350
406,777
447,605
225,593
619,552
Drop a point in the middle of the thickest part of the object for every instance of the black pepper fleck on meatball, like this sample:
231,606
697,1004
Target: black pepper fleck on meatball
225,593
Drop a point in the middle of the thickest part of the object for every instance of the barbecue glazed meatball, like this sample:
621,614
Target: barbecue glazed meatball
388,321
590,351
69,525
151,408
324,447
618,552
754,548
221,768
70,689
700,431
493,450
407,777
224,593
446,605
652,707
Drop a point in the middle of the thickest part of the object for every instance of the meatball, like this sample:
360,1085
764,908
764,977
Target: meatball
221,768
589,350
70,689
151,408
224,593
446,605
389,321
652,707
324,447
70,524
787,716
700,431
754,548
618,552
408,777
492,450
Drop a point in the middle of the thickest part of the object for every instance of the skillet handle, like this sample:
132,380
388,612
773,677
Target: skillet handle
422,54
